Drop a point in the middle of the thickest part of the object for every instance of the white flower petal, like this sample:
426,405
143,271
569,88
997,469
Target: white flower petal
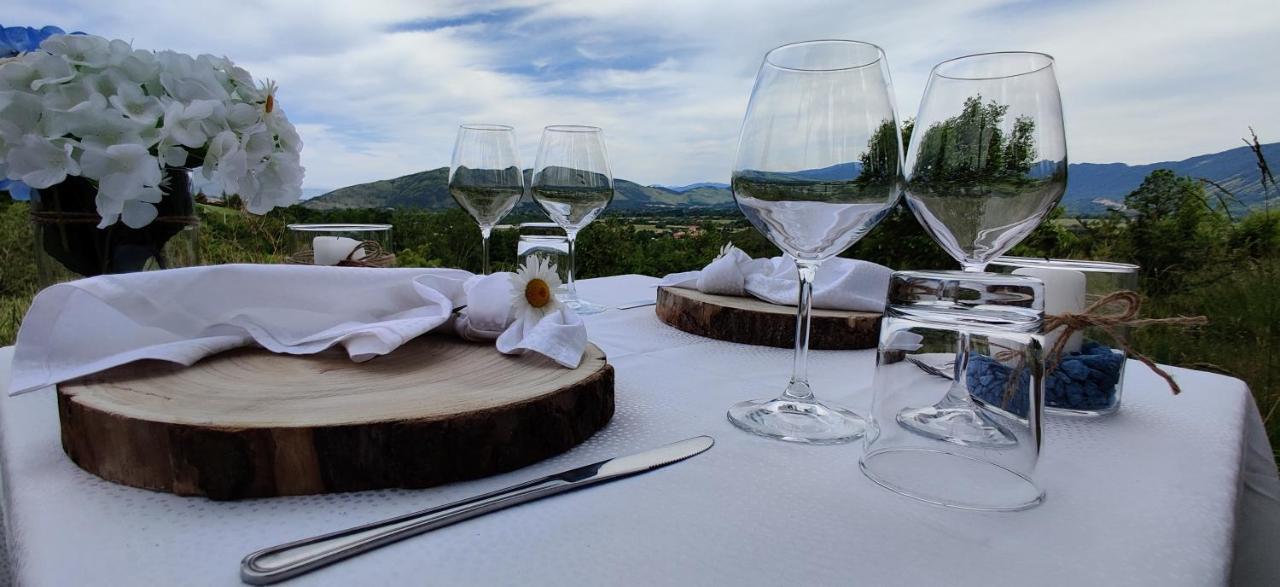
138,214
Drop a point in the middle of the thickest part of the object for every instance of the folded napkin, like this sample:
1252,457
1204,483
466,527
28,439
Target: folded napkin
841,284
182,315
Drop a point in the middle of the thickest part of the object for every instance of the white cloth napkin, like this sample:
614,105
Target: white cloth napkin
841,284
560,335
182,315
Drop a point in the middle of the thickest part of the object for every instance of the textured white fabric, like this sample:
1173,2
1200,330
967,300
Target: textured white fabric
841,284
74,329
1146,497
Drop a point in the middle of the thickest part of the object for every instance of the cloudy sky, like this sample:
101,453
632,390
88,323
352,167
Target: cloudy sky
377,87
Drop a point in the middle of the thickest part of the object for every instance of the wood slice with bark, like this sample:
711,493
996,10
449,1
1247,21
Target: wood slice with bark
752,321
250,423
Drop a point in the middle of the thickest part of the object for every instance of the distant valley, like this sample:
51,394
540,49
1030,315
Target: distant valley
1092,187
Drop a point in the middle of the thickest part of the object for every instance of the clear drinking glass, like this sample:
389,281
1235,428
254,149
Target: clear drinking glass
987,162
485,176
819,163
548,242
573,184
1000,316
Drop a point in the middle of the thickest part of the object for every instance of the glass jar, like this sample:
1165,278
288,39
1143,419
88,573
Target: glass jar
1087,378
346,245
547,241
956,414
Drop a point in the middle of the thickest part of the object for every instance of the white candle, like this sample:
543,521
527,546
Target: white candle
1064,291
331,250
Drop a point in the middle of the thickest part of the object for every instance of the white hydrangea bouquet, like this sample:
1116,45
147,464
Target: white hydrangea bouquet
85,106
85,114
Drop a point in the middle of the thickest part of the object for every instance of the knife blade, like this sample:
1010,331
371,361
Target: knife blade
277,563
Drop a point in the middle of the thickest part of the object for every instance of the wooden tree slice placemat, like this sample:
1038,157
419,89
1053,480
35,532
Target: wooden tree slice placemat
753,321
250,423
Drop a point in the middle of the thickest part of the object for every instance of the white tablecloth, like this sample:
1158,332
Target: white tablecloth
1149,496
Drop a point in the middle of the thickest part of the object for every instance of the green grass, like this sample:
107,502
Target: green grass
1242,338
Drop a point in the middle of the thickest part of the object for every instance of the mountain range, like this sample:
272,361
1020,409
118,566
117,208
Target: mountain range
1091,188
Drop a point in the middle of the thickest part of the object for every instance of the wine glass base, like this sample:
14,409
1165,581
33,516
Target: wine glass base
962,425
583,307
807,422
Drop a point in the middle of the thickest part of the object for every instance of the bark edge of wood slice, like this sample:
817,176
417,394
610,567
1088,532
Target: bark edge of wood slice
250,423
752,321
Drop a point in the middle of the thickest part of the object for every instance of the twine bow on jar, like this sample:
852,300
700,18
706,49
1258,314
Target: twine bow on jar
1112,311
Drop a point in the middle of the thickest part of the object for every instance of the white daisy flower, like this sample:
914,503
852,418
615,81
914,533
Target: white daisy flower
533,288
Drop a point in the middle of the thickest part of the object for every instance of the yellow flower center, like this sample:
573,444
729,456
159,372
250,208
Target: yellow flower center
271,103
538,293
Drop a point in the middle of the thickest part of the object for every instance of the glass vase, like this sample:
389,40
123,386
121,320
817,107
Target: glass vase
69,245
1088,379
344,245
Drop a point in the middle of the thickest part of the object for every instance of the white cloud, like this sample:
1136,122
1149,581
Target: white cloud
669,79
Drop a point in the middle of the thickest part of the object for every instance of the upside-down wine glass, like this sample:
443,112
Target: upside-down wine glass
986,164
573,184
485,176
819,164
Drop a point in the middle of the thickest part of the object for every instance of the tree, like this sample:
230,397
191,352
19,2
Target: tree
1174,231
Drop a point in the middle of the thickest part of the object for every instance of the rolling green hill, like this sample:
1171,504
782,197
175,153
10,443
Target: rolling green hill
1091,186
429,190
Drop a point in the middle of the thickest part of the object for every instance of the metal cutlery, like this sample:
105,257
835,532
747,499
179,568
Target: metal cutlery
277,563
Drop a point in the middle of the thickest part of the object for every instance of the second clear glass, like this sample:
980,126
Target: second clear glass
987,162
573,184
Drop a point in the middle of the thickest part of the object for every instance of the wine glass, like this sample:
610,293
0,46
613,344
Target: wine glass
986,164
485,176
819,164
572,183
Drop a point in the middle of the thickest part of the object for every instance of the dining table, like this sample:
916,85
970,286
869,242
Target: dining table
1170,490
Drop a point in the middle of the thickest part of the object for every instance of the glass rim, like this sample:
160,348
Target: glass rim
769,56
1084,265
486,127
544,237
571,128
338,227
1048,62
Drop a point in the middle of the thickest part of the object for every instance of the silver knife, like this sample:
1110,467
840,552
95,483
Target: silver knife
277,563
637,304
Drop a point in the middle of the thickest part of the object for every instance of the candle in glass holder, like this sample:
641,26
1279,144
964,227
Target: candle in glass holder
331,250
1064,293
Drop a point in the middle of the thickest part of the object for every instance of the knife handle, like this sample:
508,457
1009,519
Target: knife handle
277,563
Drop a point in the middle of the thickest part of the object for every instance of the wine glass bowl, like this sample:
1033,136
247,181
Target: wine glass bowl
818,165
573,184
988,158
485,177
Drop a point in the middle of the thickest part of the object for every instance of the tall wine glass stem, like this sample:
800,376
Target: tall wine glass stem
484,238
798,389
573,262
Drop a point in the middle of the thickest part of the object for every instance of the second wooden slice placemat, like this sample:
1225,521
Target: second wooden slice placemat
250,423
753,321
